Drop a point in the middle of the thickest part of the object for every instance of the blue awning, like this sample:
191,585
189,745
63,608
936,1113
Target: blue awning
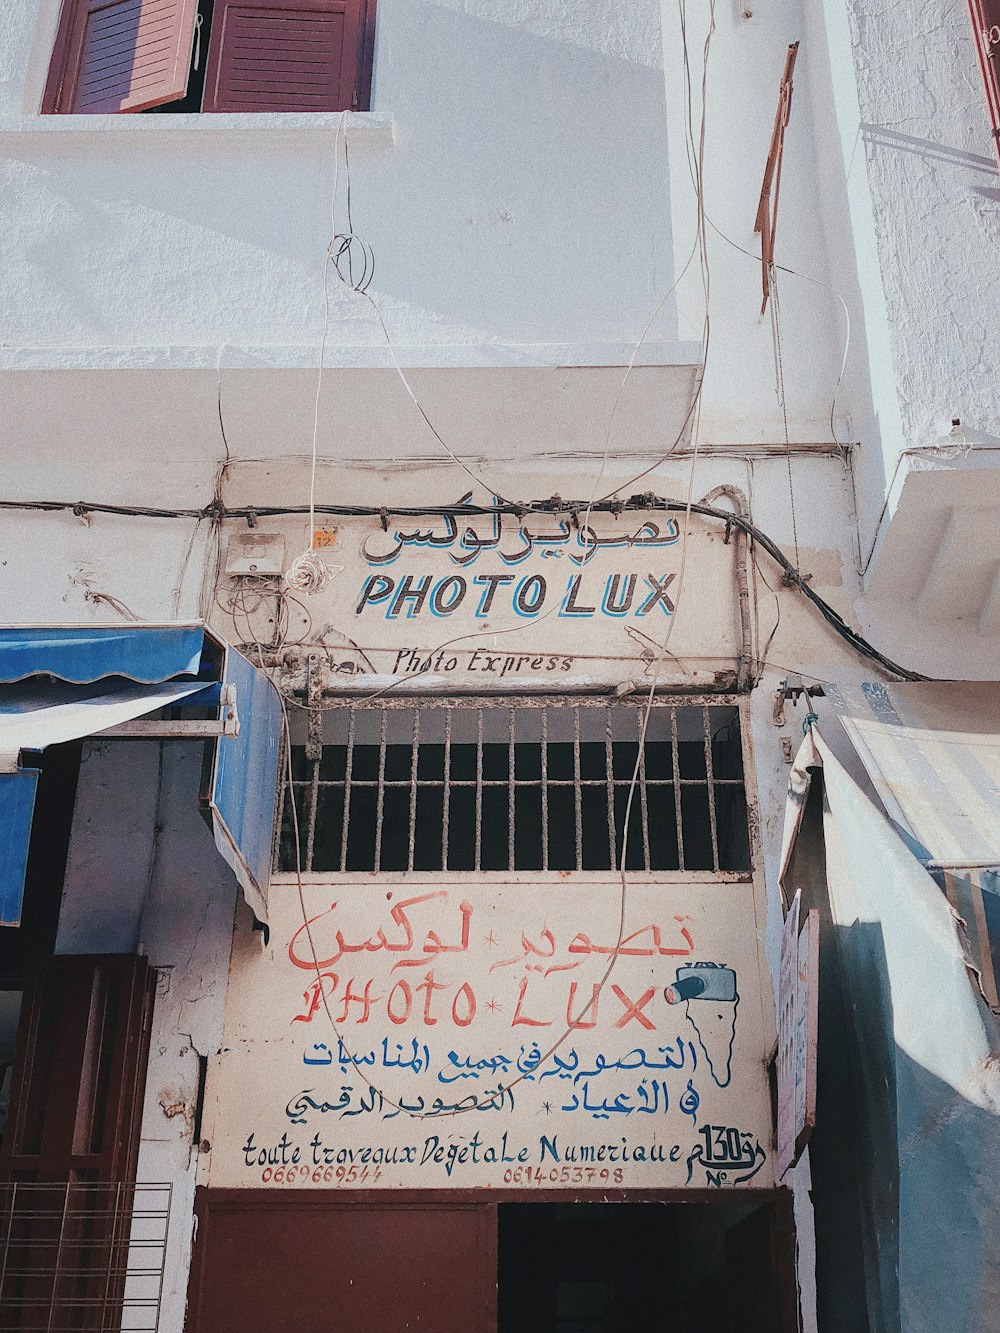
146,653
17,805
245,781
153,667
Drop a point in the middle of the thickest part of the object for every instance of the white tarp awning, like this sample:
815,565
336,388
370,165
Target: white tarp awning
932,751
916,1030
33,715
61,683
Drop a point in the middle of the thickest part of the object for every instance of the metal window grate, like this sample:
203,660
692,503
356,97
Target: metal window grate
82,1256
534,785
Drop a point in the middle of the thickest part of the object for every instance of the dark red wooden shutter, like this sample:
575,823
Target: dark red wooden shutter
80,1070
71,1142
288,55
986,27
120,55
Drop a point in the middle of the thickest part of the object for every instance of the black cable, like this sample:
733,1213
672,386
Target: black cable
556,505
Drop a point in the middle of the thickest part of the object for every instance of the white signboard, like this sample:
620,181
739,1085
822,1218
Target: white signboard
489,1034
489,601
798,997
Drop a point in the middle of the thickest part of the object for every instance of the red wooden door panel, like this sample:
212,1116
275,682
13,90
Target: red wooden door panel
120,55
71,1141
286,55
264,1263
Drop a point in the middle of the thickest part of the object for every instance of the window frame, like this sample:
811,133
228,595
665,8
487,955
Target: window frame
671,704
62,76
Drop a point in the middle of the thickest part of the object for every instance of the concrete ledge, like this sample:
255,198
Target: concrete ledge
363,127
359,356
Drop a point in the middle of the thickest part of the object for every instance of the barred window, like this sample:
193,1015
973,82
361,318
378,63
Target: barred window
460,785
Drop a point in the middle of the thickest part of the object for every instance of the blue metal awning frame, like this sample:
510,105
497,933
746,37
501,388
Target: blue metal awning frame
17,807
243,791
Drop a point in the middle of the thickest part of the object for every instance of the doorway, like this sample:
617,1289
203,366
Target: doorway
618,1267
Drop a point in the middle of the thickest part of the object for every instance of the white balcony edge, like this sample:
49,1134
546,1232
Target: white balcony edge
364,127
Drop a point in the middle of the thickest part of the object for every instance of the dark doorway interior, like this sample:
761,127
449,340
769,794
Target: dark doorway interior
616,1268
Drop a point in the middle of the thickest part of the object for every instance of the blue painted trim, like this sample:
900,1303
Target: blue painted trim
245,781
17,805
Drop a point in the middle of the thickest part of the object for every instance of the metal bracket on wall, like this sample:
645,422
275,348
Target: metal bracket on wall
143,729
314,699
792,688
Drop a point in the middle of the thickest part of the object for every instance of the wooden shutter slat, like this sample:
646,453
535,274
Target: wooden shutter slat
274,25
262,42
120,55
259,45
286,55
112,50
278,68
111,41
303,81
131,11
100,70
275,35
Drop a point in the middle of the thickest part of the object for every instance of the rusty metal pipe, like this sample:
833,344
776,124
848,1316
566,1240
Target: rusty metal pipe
745,668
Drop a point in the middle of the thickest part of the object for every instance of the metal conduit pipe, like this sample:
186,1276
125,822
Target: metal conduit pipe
745,669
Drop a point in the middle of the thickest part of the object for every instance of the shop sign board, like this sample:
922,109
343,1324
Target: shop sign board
798,1019
492,1032
548,601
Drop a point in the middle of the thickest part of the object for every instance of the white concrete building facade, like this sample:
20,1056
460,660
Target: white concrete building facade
526,280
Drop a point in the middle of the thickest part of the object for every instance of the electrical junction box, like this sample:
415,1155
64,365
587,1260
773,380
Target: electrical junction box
255,555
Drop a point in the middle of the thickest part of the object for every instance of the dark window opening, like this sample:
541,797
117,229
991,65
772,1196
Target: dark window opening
192,99
23,946
618,1267
442,785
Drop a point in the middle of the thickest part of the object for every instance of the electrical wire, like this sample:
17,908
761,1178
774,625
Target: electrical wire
646,501
762,655
779,370
628,371
341,254
573,1023
696,157
308,572
815,282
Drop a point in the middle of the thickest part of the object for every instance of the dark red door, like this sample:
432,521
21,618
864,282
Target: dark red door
70,1145
264,1263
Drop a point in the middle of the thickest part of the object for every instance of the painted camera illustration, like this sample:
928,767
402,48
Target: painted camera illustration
703,981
